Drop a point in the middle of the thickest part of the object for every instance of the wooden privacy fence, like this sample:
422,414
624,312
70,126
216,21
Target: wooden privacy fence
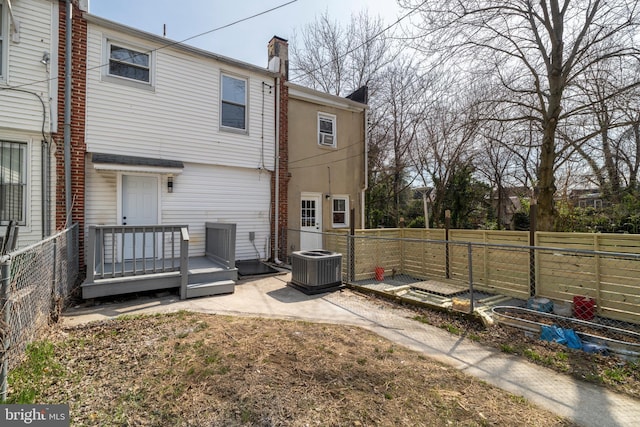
605,267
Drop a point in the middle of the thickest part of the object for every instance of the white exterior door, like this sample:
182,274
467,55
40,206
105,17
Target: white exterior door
139,207
310,222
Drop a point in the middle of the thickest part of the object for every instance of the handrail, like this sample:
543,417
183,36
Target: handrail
127,250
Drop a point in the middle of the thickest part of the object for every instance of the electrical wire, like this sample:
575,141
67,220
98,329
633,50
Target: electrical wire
342,159
44,108
379,33
174,43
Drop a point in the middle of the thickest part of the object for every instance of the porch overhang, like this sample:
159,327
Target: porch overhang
117,162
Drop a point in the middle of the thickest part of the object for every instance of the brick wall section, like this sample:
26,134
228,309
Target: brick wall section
78,146
283,175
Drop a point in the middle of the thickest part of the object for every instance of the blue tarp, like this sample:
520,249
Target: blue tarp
557,334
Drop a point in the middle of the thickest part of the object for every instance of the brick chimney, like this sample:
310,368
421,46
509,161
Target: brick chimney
279,48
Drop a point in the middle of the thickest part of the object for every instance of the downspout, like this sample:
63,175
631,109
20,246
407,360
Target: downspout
276,209
366,167
67,112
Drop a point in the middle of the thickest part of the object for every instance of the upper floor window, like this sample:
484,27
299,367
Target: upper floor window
129,63
233,110
340,212
13,181
327,130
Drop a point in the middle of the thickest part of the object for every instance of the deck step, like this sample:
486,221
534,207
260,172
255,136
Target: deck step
210,288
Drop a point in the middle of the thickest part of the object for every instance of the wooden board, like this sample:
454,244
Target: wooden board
440,288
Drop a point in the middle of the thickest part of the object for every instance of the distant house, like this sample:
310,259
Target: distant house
508,203
28,116
587,198
327,161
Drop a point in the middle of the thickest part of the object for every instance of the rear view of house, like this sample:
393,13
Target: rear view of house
175,136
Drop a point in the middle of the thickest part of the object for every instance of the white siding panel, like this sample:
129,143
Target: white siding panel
179,118
220,194
201,193
22,111
100,198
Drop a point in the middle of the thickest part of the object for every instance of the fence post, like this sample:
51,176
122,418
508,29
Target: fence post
5,280
447,224
54,282
470,268
533,224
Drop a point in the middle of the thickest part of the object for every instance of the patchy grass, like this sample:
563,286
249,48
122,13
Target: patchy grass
197,369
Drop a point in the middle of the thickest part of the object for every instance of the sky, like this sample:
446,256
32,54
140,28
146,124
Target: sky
246,41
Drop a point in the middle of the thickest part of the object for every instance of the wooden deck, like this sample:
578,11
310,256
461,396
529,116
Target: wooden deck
204,276
212,274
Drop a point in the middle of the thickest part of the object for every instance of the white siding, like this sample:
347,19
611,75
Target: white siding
21,113
201,193
179,118
20,110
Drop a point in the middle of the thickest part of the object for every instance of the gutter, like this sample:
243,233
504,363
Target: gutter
67,110
366,168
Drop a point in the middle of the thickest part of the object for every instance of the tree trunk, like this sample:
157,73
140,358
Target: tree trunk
546,181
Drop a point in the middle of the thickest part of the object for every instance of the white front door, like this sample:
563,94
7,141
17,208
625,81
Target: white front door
310,222
139,207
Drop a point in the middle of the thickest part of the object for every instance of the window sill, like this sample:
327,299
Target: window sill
234,130
129,83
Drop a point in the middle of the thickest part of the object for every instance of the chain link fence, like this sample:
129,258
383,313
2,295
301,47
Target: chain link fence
35,282
499,277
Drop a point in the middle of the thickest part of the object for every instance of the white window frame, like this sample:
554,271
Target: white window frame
4,40
326,139
245,80
23,180
115,78
346,211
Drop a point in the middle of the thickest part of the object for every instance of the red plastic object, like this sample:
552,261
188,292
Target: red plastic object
379,273
584,307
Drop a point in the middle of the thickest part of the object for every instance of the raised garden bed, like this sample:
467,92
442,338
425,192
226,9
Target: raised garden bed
623,343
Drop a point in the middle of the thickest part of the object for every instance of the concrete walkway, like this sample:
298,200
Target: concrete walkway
586,404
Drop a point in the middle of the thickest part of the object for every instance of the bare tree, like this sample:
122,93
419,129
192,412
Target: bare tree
445,146
403,106
338,60
535,51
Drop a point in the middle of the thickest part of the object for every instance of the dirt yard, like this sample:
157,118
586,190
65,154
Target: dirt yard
210,370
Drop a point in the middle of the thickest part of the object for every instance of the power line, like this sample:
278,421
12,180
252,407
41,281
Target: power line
174,43
208,32
320,155
342,159
307,73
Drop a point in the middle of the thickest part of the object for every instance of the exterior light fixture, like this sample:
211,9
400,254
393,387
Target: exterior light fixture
170,183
